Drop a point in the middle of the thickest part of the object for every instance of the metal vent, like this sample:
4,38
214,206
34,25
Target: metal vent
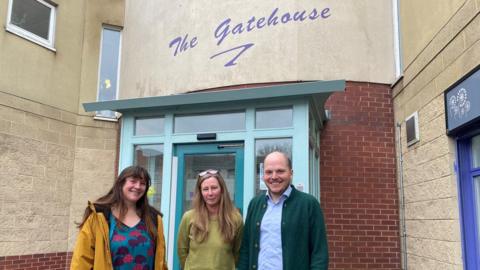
411,124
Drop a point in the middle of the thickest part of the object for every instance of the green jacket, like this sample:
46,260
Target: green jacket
304,238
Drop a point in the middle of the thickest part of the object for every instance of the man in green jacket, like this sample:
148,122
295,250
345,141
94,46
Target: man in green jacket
284,228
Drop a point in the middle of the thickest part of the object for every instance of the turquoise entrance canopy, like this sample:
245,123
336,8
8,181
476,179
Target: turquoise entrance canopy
316,90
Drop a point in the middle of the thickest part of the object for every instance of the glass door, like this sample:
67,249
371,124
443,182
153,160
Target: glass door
227,158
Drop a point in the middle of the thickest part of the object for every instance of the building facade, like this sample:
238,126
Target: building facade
51,151
435,111
181,87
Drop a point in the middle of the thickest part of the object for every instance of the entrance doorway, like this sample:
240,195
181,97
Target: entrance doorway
227,158
469,184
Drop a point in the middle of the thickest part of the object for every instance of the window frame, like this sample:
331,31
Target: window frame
47,43
119,29
156,117
272,109
178,116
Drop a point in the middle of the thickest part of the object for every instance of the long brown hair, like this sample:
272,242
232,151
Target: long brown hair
114,198
226,211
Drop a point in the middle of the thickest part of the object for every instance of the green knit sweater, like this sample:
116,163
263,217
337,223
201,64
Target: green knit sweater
304,238
213,253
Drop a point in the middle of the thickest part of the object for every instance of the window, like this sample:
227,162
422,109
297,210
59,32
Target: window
314,157
151,158
210,122
145,126
33,20
109,68
274,118
476,152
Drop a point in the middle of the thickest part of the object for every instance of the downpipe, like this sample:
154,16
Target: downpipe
403,231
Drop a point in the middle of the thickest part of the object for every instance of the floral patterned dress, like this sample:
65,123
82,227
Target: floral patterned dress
131,247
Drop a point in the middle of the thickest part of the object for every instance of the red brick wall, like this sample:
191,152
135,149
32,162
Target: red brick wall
358,180
51,261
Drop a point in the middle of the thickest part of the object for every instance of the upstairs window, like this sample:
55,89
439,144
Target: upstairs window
109,68
33,20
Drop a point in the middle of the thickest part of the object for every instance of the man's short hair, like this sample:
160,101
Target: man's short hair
289,161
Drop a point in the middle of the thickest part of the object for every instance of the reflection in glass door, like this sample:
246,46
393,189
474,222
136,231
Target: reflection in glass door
195,158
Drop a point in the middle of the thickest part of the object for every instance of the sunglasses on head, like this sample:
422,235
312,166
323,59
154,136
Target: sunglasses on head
210,171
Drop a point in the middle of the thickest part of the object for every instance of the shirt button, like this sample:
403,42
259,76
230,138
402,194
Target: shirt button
254,266
264,205
284,205
256,245
258,223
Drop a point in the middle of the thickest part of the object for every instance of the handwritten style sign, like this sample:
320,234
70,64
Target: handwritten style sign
227,29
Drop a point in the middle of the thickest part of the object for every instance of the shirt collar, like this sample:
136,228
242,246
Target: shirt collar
285,194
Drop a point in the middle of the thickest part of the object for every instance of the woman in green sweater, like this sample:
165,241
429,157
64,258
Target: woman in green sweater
210,233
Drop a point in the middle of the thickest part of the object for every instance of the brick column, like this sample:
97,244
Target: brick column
358,179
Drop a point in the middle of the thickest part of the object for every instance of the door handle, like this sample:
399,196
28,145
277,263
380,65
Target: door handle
232,145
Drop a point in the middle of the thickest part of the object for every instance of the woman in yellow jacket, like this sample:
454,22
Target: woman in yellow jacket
121,230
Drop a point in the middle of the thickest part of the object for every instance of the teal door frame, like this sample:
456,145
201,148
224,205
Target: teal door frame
182,150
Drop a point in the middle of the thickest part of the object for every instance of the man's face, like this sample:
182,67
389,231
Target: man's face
276,174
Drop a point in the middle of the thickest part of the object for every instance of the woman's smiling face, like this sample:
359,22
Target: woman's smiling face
133,189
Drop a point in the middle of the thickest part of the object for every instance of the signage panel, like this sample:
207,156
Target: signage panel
172,47
462,102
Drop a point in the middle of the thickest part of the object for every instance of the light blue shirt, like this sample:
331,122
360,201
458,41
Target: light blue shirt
270,256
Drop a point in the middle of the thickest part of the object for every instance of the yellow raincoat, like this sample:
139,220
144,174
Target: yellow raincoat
92,250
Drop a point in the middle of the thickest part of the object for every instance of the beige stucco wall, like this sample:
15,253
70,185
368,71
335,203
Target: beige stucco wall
49,167
36,73
53,156
68,77
422,21
433,65
95,164
355,43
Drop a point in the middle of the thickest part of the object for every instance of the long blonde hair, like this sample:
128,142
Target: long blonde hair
226,211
